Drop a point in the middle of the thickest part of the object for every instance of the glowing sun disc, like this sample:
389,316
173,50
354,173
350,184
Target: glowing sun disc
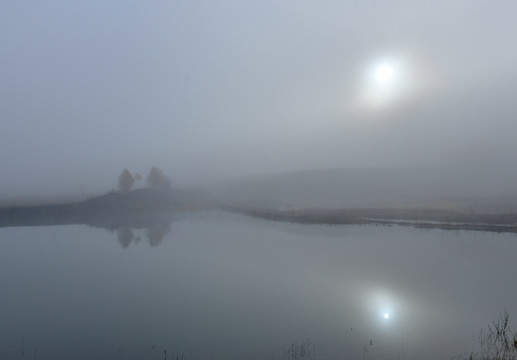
384,73
386,316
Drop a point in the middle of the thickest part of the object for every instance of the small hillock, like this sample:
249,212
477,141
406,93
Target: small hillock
105,208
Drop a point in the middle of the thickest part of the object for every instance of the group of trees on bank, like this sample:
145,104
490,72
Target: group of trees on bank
155,179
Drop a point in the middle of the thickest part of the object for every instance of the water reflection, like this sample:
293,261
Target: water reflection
125,236
127,223
154,232
227,281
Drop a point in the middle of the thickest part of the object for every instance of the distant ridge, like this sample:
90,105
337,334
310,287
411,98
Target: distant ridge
468,188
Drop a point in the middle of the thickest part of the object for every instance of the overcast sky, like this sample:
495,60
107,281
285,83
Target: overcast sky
215,89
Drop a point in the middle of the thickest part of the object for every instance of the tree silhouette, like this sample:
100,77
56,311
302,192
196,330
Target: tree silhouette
125,181
156,179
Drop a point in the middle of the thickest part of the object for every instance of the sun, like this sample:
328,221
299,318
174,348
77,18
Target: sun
383,83
384,73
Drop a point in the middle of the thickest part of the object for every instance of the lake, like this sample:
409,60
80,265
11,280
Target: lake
213,285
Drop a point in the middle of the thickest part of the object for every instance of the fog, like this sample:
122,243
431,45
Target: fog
217,90
317,166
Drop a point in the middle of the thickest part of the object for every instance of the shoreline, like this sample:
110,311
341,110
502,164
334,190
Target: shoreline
436,219
143,204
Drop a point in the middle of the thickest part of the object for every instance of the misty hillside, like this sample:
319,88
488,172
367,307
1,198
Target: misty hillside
471,189
147,200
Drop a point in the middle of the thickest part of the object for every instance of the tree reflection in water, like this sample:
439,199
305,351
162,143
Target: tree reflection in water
155,232
125,236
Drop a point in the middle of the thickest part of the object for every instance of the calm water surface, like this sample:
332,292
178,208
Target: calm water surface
220,286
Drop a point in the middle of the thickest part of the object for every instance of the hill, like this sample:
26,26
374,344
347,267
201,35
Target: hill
109,210
471,189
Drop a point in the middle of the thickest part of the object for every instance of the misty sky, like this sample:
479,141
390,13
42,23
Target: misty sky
215,89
